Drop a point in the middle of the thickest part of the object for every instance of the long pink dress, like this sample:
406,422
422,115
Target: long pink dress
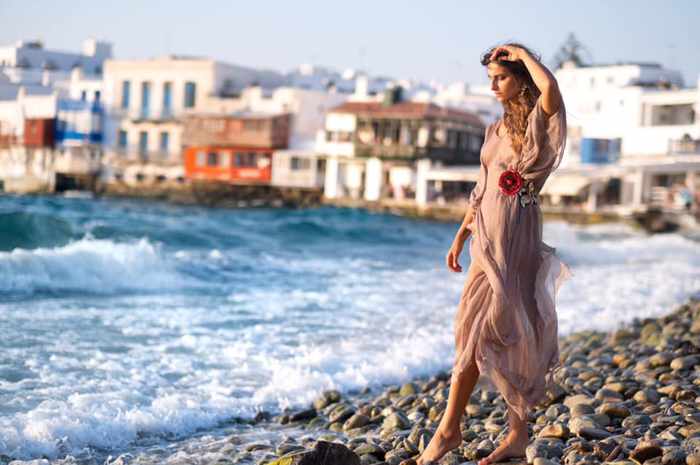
506,321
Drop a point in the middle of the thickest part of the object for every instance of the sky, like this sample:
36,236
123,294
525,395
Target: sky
438,40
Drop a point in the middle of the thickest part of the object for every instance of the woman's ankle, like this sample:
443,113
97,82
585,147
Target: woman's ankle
450,432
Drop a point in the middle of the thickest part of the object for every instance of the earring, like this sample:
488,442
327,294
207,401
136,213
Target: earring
522,90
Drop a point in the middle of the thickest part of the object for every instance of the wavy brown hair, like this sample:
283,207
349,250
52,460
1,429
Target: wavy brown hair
517,109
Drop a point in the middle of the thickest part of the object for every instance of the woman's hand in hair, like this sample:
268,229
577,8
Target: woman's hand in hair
507,53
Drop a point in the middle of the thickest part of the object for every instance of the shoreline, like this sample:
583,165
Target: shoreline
627,396
228,196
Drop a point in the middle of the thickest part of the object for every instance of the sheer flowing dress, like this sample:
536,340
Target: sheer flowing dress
506,321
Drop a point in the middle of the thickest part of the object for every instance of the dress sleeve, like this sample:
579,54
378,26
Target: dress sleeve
477,192
545,140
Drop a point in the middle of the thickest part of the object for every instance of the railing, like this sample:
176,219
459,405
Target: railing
391,151
684,146
134,153
8,140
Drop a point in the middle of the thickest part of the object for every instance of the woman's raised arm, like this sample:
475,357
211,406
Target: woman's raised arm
544,79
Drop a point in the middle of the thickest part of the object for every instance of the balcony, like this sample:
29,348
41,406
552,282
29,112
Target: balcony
390,151
262,131
8,140
135,153
684,146
78,161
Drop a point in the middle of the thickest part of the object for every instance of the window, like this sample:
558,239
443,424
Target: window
464,140
167,99
126,91
452,139
212,159
476,143
164,141
122,139
143,143
246,159
298,163
190,94
224,159
201,158
145,98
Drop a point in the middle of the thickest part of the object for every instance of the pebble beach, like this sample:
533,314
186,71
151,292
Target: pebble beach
624,397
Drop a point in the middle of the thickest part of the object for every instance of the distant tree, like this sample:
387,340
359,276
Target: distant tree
571,50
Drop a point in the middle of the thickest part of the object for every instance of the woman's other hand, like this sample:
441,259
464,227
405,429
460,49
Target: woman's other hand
452,257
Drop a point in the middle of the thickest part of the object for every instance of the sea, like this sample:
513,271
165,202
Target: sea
142,329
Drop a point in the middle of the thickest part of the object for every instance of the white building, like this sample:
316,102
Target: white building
28,56
633,133
147,98
24,169
64,89
372,148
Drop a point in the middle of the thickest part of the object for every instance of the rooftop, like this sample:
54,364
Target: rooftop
618,63
412,110
243,114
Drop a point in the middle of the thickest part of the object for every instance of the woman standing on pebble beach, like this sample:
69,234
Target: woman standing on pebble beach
506,323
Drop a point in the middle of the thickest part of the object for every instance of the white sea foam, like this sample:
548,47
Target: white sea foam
87,265
169,364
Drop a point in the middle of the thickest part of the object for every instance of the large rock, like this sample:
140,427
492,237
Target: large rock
556,430
326,398
615,410
396,421
356,421
646,450
341,413
303,415
586,427
544,448
323,453
685,363
408,389
577,399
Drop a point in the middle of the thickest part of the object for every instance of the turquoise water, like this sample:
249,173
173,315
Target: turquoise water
127,319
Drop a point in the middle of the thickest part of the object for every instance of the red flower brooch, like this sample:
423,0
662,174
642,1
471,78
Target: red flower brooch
510,182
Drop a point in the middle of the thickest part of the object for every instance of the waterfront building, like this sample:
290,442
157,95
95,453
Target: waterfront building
233,148
633,143
148,100
51,116
371,148
633,139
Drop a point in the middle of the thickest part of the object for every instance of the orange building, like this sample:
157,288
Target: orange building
233,148
230,164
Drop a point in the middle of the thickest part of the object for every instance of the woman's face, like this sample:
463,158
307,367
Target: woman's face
504,84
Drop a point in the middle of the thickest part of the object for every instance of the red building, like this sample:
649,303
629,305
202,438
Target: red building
233,148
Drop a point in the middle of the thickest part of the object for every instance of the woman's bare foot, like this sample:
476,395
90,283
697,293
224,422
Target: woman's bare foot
440,444
512,446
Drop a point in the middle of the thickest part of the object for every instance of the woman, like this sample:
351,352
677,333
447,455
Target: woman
506,324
